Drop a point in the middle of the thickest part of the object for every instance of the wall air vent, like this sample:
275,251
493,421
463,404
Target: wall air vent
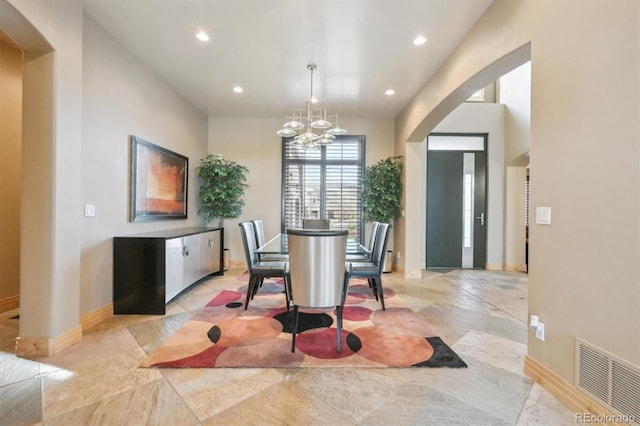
608,379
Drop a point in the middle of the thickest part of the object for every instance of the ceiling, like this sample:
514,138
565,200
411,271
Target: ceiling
361,49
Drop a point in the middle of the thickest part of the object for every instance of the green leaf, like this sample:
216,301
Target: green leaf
382,190
221,187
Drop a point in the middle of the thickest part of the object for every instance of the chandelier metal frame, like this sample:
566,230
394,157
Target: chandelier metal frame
303,123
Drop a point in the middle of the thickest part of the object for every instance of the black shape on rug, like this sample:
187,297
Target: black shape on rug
306,321
234,304
443,356
214,334
353,342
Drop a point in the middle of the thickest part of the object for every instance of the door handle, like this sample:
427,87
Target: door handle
185,250
481,218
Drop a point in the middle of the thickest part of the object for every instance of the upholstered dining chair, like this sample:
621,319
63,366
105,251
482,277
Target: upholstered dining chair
258,227
317,274
258,270
370,244
372,271
315,223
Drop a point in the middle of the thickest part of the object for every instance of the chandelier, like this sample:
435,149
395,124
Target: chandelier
311,127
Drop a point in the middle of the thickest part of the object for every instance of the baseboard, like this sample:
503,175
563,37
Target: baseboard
37,347
94,317
412,274
9,303
566,393
515,268
494,267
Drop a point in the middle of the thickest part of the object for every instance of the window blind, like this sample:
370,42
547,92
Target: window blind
324,183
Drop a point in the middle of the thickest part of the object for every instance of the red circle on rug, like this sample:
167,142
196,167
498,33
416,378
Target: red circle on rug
323,344
356,313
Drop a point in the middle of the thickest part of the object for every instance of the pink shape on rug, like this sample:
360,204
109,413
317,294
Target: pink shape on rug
323,344
273,312
206,358
356,313
402,319
385,346
352,299
225,296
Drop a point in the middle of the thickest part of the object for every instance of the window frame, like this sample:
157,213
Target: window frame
323,162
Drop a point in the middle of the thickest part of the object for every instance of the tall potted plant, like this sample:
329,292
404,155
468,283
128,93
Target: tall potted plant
382,194
222,185
382,190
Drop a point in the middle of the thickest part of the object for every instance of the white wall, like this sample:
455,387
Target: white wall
134,102
514,224
253,143
471,117
515,94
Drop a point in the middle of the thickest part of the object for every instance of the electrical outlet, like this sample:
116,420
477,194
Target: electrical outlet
540,331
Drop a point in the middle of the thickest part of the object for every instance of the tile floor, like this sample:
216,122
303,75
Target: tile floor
480,314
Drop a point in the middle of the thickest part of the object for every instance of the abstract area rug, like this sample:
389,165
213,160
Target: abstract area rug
224,334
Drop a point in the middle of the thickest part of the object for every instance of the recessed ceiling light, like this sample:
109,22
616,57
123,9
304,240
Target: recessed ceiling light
238,89
420,40
202,36
390,92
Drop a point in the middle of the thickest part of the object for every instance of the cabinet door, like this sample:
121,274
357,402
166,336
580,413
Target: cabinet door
174,268
191,251
210,252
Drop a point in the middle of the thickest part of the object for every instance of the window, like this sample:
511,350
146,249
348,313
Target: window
324,183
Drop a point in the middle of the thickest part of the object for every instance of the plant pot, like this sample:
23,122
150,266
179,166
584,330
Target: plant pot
388,262
226,257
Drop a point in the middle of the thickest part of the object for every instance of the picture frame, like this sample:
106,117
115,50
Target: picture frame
158,182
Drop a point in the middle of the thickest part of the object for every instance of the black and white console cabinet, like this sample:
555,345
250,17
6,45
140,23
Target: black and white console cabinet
151,269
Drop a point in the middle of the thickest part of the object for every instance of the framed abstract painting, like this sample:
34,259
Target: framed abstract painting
158,182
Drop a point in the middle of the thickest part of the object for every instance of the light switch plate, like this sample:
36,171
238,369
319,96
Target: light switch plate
89,210
543,215
540,331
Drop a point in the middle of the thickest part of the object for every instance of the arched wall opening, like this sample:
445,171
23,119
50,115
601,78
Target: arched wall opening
414,131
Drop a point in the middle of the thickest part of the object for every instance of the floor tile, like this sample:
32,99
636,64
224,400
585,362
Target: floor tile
153,403
21,402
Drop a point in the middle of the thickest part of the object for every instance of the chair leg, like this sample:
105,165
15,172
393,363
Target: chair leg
295,328
257,282
372,285
378,281
339,315
249,293
287,291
